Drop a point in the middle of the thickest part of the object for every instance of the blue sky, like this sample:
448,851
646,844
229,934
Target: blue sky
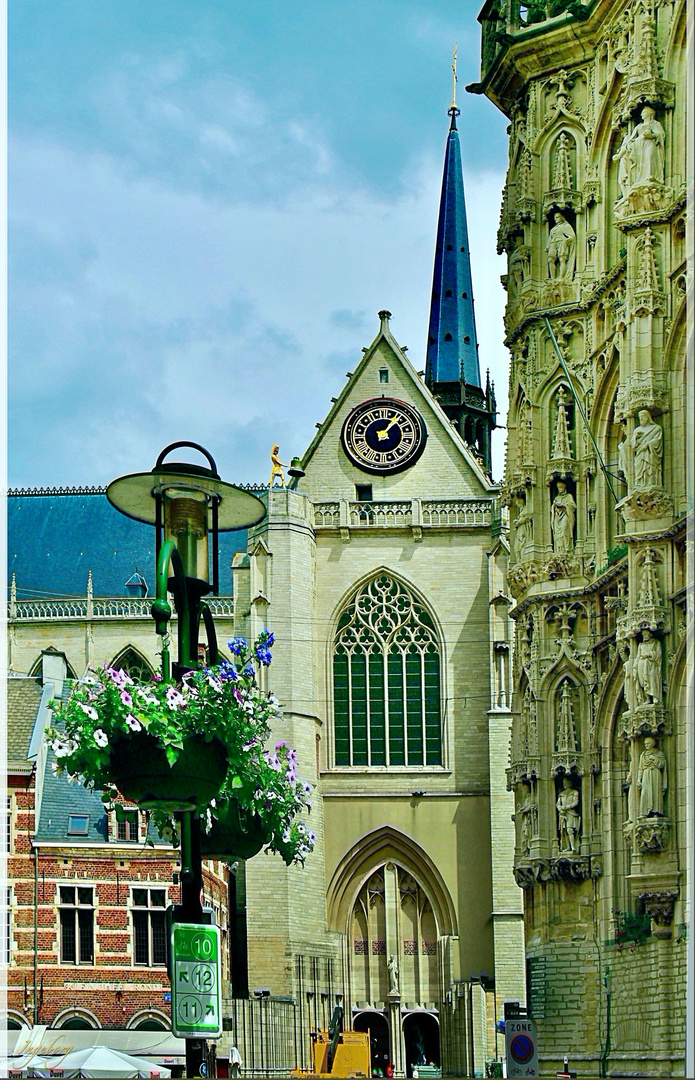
208,204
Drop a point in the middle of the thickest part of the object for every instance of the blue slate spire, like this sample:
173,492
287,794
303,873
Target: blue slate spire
452,349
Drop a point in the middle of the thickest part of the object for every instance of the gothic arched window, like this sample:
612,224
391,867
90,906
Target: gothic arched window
386,679
134,665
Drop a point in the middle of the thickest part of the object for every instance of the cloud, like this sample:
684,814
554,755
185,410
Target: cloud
168,313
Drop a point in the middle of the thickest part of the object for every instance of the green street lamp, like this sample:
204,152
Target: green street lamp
189,505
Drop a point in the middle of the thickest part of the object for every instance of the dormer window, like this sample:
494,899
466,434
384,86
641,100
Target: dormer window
78,825
383,375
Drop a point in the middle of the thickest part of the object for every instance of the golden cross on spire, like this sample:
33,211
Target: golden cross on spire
455,80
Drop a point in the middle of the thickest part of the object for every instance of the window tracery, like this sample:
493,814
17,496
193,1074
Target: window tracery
386,679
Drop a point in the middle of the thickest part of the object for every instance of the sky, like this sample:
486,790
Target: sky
210,201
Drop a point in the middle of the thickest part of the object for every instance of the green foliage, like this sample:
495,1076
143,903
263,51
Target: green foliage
223,701
632,929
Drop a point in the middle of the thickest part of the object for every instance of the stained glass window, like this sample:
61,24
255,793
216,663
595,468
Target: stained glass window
386,679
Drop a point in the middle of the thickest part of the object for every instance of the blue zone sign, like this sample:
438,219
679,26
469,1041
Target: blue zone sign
522,1050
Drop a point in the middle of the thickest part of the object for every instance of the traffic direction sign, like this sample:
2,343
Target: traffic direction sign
196,989
522,1047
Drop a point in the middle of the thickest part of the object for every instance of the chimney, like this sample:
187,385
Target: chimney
54,669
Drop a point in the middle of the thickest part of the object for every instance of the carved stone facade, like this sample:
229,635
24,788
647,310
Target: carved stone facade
594,221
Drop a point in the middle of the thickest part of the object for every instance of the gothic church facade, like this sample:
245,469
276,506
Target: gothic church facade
594,223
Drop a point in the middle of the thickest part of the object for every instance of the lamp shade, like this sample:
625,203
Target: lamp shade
134,495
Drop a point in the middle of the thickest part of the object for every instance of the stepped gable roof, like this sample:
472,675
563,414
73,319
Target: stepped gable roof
55,536
23,699
452,347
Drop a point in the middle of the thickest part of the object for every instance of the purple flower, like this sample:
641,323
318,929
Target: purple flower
126,698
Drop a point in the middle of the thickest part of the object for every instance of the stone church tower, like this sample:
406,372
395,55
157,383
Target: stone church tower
594,225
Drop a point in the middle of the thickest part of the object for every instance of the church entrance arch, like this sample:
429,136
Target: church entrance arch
421,1038
379,1044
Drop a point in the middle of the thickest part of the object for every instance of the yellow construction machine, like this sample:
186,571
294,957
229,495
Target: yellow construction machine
337,1053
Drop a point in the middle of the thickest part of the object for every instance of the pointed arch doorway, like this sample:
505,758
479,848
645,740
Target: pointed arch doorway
394,964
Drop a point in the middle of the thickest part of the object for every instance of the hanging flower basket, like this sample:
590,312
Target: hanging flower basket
141,771
199,745
234,833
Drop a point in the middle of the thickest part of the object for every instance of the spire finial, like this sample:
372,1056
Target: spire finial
453,111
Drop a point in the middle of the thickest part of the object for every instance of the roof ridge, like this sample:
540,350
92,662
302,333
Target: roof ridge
99,489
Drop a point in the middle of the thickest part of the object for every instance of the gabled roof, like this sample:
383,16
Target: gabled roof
419,390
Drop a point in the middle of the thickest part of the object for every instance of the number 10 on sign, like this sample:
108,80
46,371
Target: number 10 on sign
196,998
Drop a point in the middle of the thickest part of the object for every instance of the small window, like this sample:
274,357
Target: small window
128,825
149,929
449,247
363,492
447,337
78,825
76,924
463,249
448,292
464,295
383,375
466,340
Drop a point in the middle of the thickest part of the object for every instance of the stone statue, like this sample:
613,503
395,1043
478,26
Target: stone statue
629,688
523,529
562,516
647,446
623,448
626,166
393,974
651,780
561,246
277,470
568,817
528,812
647,668
646,149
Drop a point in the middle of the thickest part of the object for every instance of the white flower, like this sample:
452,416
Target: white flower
133,723
89,710
56,768
61,748
100,737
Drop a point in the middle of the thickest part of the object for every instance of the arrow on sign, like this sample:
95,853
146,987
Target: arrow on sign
183,976
209,1011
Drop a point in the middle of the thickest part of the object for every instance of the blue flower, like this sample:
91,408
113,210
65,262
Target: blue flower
268,637
263,654
228,673
238,645
249,670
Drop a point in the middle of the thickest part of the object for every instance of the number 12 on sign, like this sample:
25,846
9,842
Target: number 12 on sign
196,1000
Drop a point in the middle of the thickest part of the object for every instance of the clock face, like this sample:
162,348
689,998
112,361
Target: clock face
384,435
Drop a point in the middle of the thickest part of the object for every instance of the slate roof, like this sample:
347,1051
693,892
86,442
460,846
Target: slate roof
23,697
61,799
55,537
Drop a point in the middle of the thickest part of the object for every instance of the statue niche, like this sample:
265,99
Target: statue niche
640,158
568,816
561,248
563,514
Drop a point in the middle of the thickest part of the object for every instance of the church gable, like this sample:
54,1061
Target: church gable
428,457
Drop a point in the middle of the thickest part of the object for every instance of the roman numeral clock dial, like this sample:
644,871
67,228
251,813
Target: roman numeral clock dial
384,435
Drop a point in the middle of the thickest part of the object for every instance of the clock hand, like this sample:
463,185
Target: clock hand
383,434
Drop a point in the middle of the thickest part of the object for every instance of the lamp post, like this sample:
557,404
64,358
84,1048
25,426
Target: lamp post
189,505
